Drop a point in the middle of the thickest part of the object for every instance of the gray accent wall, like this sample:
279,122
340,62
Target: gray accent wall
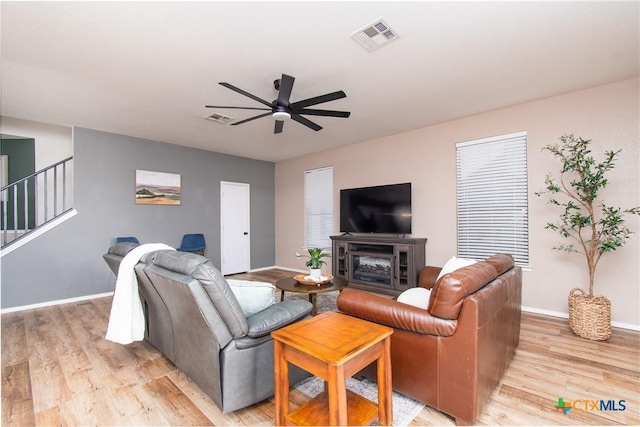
66,262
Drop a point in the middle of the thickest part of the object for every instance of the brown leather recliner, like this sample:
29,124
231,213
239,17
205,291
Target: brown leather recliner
452,355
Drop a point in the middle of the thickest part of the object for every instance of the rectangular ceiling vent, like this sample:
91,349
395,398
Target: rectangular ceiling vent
374,35
219,118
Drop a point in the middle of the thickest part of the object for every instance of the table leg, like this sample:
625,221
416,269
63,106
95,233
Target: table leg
281,296
281,377
337,391
313,298
385,403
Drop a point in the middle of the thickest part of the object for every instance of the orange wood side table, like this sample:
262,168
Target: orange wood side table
333,346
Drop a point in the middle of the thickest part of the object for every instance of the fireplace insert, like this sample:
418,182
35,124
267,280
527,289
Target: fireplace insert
372,268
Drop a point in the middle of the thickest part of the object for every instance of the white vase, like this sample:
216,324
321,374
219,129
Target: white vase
315,273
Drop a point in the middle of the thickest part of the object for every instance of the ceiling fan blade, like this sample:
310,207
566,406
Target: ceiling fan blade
245,93
327,113
286,86
297,106
278,127
304,121
251,118
237,108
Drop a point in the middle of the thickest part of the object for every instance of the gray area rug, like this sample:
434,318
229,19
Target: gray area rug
405,409
326,301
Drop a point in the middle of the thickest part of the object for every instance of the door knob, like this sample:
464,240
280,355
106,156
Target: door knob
246,232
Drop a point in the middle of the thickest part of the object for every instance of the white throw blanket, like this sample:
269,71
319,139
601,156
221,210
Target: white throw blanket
126,322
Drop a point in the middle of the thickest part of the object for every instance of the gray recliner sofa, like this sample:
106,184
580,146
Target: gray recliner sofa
194,319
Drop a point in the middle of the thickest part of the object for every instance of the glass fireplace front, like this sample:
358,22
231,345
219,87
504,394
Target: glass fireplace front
373,269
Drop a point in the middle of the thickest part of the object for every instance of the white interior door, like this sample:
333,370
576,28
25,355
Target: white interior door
234,227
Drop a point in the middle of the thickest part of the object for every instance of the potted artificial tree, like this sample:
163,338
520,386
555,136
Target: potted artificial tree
315,261
592,227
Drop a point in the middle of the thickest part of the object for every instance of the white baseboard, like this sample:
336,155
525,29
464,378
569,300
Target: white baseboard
107,294
545,312
278,267
57,302
534,310
563,315
551,313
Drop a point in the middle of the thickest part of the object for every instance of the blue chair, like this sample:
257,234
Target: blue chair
193,243
126,239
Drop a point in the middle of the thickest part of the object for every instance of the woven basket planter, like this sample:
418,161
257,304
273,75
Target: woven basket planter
589,317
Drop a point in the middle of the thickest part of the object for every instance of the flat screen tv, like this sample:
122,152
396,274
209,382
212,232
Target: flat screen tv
379,209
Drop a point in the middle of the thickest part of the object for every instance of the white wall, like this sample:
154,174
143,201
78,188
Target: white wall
53,143
426,157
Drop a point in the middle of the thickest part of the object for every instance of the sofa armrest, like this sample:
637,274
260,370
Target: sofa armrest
277,316
392,313
428,276
122,248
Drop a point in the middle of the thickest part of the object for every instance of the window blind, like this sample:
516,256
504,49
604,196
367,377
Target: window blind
318,207
491,193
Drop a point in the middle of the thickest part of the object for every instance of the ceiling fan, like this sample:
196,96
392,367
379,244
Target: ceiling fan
281,109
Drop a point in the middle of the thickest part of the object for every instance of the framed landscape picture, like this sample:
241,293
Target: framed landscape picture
157,188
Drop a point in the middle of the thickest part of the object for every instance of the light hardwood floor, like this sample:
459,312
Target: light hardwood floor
57,369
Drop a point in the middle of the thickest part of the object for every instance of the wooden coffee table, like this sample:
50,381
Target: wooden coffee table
333,346
292,285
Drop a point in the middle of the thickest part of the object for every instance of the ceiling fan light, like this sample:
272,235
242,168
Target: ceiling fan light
281,115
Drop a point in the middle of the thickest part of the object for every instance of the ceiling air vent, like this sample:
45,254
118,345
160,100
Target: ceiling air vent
219,118
374,35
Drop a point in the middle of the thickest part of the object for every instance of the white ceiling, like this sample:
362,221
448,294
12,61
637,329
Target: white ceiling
147,69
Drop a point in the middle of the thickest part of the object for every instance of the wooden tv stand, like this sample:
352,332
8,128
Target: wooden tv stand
388,265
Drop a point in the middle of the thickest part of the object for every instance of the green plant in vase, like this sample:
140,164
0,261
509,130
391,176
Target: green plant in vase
315,261
592,227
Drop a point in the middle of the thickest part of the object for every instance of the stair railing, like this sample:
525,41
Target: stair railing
35,200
